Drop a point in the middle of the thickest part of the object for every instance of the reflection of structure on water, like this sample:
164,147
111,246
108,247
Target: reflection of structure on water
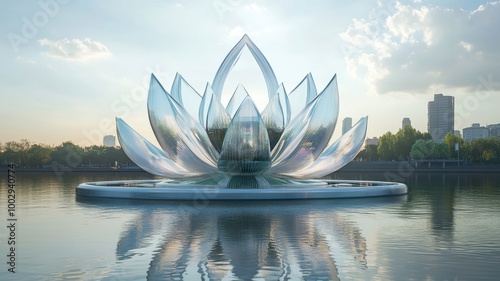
244,245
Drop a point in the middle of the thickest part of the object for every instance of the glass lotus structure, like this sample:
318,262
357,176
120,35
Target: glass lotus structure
236,152
291,137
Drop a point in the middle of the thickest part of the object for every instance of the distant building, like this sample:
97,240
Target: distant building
457,133
109,141
346,124
494,130
406,122
440,116
372,141
476,131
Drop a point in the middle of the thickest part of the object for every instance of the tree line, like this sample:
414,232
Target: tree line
26,154
409,143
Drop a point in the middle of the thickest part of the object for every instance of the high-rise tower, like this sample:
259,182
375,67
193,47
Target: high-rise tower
440,116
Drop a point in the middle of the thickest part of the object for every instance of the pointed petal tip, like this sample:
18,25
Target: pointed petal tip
118,121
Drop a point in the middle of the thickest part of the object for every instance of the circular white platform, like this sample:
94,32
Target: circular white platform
166,190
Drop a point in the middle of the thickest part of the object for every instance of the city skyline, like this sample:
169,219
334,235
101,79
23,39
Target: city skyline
69,69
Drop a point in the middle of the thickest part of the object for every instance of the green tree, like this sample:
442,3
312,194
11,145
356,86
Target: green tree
429,149
67,154
485,150
464,147
451,139
368,153
38,155
386,146
25,154
404,139
16,152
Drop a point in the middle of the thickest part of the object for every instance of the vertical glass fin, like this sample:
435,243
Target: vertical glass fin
245,150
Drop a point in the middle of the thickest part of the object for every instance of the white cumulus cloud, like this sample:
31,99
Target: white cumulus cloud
75,49
417,49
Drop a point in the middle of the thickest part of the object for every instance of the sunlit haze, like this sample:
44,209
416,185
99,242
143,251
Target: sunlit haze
70,67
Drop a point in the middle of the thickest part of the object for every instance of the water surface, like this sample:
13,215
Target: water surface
446,228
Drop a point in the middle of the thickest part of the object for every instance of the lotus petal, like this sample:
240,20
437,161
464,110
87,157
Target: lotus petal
205,104
239,95
231,59
338,154
274,117
285,103
290,138
302,95
186,95
217,123
146,155
182,138
297,148
246,145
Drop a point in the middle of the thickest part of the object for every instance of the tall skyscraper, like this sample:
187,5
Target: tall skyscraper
440,116
346,124
406,122
109,141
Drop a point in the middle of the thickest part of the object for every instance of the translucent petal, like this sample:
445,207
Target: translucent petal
239,95
205,103
293,134
232,58
182,138
285,103
186,95
302,95
274,117
246,146
338,154
217,123
308,134
146,155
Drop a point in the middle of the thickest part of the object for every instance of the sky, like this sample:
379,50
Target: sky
70,67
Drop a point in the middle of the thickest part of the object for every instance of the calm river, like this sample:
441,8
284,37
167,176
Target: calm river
446,228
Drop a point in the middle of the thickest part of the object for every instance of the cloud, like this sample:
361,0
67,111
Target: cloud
22,59
236,32
75,49
418,49
255,7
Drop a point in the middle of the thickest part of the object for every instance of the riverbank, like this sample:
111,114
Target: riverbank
354,166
